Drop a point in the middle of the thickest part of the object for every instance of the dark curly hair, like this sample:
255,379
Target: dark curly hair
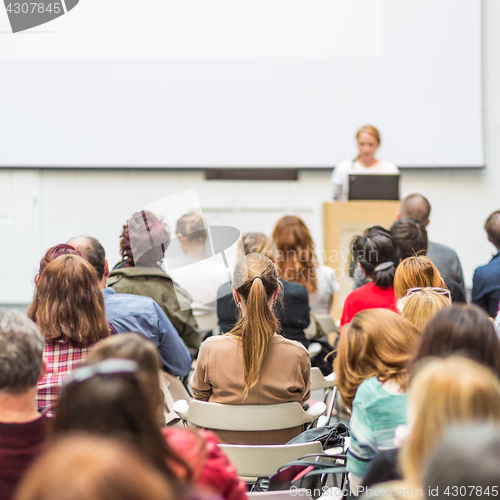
144,239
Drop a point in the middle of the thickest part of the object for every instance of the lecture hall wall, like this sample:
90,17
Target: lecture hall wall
40,208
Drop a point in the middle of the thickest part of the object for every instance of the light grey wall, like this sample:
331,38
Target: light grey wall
40,208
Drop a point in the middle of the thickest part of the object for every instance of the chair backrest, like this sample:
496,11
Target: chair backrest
262,461
172,390
247,417
319,381
280,495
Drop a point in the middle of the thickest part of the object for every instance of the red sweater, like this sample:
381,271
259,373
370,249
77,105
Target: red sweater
19,445
369,296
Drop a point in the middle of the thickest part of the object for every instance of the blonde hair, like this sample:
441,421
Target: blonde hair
445,392
259,279
370,130
257,243
418,271
421,306
377,343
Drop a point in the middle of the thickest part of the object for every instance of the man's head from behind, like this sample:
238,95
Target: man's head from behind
93,252
21,352
410,236
492,228
417,207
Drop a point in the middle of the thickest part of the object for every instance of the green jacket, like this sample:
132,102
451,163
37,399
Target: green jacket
155,283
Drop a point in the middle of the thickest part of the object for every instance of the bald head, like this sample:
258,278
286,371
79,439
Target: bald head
417,207
92,251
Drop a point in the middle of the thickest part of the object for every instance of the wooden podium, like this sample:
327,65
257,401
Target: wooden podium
341,222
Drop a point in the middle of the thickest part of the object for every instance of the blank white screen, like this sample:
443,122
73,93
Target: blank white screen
261,83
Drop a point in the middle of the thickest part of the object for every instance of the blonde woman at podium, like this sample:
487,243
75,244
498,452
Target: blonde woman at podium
368,139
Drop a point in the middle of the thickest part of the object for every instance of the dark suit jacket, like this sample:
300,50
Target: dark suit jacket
292,312
486,286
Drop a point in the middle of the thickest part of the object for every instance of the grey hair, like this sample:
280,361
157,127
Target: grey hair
21,352
457,467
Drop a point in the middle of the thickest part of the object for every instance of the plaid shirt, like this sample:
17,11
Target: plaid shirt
61,358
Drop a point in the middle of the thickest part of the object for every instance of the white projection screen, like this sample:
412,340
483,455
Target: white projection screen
233,83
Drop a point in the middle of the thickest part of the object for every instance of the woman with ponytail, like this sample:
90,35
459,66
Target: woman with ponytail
253,364
377,255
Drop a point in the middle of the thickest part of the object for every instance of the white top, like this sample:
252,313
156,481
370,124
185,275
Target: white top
340,174
327,284
202,279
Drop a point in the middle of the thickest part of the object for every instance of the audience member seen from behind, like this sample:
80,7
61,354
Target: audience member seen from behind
457,329
411,238
84,467
297,262
136,313
486,280
368,141
371,367
422,304
22,429
252,364
461,329
377,255
292,312
476,472
68,307
461,391
198,449
143,243
107,399
445,258
417,272
198,273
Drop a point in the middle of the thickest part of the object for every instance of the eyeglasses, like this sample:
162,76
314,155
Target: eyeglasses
437,289
106,367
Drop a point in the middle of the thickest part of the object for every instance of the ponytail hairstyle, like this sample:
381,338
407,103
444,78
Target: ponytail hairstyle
377,254
256,279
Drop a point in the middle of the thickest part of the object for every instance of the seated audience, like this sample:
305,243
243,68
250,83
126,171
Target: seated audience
422,304
198,449
377,255
22,429
200,275
291,307
371,367
68,307
136,313
461,391
417,272
84,467
140,273
252,364
458,329
297,262
477,471
486,280
411,238
444,258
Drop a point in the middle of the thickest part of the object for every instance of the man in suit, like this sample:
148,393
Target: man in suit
444,258
486,280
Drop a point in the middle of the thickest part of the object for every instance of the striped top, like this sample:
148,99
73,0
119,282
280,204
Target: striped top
376,412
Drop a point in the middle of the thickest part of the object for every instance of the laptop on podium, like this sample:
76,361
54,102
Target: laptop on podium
373,187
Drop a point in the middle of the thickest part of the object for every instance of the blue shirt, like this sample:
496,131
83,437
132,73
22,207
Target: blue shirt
135,313
486,286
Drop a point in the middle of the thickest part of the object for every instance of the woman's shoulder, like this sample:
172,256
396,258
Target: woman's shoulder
371,391
285,343
388,166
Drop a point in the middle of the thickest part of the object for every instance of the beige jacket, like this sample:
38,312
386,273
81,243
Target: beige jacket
285,377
